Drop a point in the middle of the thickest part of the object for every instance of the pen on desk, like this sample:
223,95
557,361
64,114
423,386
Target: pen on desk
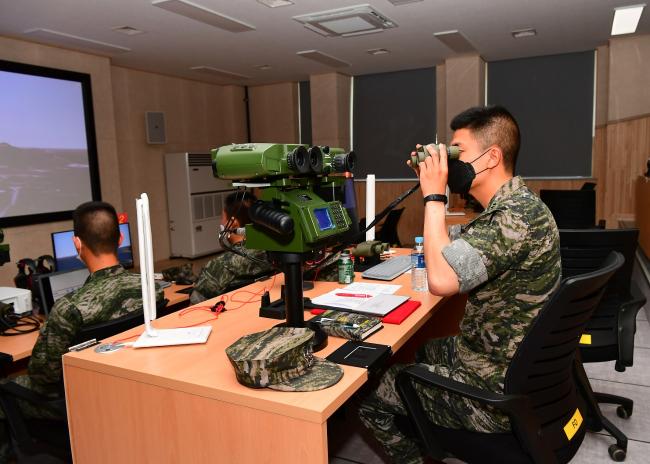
354,295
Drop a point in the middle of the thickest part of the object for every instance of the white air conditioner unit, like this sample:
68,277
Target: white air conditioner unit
195,201
346,22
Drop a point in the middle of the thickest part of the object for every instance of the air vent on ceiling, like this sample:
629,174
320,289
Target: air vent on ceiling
127,30
346,22
218,72
203,14
74,41
323,58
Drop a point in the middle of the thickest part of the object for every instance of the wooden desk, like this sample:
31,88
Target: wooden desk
20,346
183,404
643,213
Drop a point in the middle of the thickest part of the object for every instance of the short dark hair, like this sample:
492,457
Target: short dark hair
96,224
237,205
492,125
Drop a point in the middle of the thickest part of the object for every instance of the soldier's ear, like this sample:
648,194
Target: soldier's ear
77,243
119,243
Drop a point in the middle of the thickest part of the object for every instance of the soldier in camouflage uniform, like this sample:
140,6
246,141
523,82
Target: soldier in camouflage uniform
230,270
110,292
508,262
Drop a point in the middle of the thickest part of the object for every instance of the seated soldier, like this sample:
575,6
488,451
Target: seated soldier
110,292
230,270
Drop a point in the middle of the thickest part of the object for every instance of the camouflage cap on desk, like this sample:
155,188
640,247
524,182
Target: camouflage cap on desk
282,359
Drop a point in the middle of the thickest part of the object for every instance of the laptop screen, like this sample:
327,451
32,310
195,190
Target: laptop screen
55,285
65,254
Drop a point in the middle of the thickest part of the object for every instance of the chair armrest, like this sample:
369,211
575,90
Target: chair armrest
14,390
506,403
627,327
518,408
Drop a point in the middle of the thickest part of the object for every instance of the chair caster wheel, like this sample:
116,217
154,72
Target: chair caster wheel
623,412
617,453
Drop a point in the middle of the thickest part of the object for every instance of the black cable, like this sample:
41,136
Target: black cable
18,322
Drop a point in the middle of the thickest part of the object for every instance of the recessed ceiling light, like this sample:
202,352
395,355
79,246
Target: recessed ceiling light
200,13
521,33
128,30
218,72
75,41
275,3
378,51
403,2
323,58
263,67
626,19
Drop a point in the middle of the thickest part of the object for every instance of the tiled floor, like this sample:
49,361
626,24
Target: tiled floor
347,445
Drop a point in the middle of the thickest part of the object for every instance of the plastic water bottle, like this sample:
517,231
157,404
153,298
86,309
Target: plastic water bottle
418,269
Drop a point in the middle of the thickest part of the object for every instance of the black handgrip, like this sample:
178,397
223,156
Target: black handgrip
265,215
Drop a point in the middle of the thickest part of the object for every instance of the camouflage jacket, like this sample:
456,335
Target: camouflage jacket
107,294
508,261
229,270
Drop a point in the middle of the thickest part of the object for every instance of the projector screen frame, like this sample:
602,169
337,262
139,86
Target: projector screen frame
91,140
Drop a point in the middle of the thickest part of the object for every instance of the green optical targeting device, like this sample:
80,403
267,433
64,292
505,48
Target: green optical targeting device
290,221
290,217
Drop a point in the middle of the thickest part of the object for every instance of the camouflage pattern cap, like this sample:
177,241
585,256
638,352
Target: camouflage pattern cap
281,358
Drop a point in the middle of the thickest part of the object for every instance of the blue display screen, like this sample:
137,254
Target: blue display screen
323,218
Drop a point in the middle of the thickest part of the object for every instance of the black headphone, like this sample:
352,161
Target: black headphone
26,269
45,264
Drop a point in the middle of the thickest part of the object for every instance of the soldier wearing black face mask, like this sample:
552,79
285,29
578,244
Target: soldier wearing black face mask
507,261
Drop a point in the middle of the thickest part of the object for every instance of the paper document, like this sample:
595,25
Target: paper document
181,336
361,297
374,289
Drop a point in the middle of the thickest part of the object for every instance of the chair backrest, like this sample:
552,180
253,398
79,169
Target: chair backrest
572,209
115,326
107,329
586,250
542,367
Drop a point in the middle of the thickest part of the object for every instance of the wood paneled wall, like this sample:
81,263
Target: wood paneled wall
198,117
274,112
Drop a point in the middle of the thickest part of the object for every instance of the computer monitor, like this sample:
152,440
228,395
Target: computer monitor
54,285
65,254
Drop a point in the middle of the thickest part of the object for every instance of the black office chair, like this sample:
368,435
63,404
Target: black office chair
34,436
572,209
612,327
540,391
388,231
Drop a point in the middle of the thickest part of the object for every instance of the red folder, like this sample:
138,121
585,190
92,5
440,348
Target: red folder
400,313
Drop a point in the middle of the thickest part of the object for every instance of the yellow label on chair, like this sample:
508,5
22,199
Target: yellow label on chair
585,339
573,425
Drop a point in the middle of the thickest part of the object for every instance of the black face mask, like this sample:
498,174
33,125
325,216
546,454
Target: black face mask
462,174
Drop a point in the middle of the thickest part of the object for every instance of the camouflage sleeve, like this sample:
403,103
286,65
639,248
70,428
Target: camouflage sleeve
489,248
226,270
57,334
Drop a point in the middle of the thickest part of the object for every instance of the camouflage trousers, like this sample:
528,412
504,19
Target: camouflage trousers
379,410
28,409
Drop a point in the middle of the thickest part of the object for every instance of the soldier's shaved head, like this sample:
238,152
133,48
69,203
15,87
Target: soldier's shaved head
492,125
96,224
